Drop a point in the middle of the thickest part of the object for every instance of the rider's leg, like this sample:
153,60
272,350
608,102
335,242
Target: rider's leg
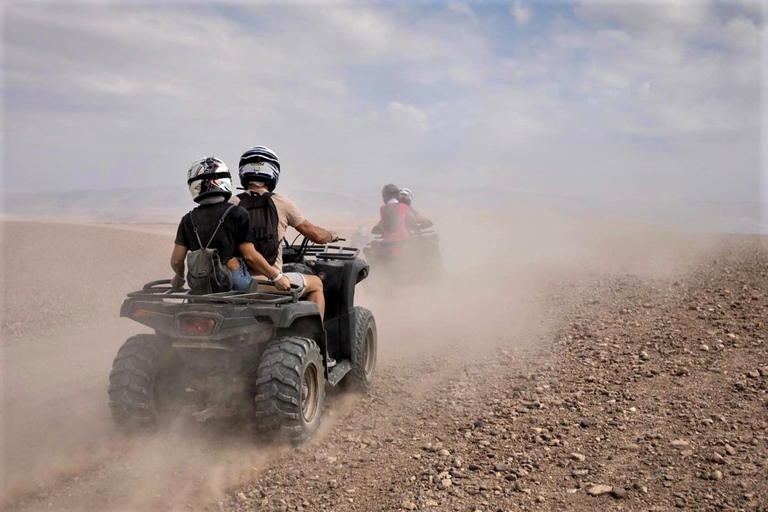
314,292
313,288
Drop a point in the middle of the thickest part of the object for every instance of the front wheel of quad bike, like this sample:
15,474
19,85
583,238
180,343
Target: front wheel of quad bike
144,384
364,346
290,388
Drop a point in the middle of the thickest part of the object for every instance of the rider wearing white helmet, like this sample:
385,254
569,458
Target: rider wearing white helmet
259,171
405,196
210,184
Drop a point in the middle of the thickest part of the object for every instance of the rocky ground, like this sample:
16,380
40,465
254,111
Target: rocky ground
643,394
590,374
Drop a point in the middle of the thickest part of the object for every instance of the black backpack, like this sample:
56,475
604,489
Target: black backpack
264,223
205,271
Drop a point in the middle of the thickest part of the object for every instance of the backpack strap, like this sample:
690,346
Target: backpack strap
221,221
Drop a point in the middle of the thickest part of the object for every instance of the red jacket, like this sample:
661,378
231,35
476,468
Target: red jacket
395,220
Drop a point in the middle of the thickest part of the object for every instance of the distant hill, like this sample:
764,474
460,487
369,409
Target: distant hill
168,204
158,204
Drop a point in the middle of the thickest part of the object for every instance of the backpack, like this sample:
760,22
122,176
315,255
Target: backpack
205,271
264,223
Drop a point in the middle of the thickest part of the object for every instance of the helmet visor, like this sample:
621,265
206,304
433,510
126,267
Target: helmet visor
262,168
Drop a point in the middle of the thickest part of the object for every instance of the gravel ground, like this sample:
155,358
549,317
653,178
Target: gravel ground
647,394
617,381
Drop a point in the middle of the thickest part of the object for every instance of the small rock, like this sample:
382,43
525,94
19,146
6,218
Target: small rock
577,456
580,472
585,423
501,467
619,493
716,458
444,453
474,467
704,347
644,355
241,497
430,503
716,475
740,386
408,505
730,450
679,443
599,490
445,483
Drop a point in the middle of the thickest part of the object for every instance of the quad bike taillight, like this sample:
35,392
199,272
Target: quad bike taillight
197,326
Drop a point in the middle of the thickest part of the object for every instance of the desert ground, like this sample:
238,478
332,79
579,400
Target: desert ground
561,363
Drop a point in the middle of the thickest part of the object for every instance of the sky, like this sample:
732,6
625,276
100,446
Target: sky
655,100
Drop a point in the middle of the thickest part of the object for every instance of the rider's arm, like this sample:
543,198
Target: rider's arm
378,229
316,234
255,260
423,221
411,222
177,259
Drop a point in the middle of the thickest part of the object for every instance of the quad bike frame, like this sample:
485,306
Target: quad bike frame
264,356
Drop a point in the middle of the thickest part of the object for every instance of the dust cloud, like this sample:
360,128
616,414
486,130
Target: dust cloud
64,284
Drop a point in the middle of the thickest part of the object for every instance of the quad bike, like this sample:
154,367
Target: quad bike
414,260
264,356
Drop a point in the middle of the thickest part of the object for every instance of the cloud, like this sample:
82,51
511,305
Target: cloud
120,95
463,9
408,117
521,12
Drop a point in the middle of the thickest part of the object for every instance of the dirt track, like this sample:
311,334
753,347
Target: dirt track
524,394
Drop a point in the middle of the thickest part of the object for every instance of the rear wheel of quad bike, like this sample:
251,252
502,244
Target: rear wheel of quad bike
290,388
144,384
364,345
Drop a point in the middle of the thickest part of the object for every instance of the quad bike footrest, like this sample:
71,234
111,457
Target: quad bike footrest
339,371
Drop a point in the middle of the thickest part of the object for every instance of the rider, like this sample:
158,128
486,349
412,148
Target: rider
210,184
259,173
405,196
397,219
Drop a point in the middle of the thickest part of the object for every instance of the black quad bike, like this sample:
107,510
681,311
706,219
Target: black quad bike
416,260
265,357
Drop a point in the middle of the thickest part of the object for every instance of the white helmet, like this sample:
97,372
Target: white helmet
259,164
405,196
209,177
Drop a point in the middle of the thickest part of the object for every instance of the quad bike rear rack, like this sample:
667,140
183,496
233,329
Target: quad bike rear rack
162,291
320,252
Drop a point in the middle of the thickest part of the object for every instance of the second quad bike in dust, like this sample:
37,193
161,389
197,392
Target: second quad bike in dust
261,356
415,260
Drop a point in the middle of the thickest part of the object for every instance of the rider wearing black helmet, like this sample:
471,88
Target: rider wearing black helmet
259,171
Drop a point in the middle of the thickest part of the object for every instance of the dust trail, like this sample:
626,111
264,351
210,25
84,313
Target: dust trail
55,416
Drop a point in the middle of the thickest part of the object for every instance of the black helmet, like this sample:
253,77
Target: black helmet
259,164
389,191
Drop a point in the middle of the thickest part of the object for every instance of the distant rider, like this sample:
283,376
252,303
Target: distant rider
405,196
397,219
271,214
210,184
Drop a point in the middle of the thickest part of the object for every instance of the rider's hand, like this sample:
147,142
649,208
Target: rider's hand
177,283
282,283
334,236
